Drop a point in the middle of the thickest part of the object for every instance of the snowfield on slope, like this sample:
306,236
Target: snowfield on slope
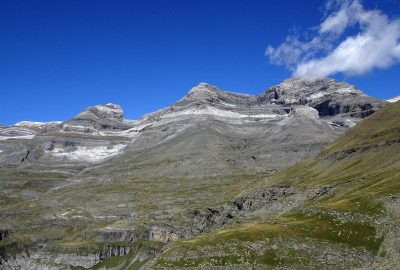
89,153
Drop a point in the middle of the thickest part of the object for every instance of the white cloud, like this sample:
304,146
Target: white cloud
375,45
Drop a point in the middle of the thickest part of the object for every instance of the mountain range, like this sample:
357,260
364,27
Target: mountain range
292,178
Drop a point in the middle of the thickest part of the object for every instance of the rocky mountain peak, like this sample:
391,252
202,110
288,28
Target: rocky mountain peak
204,92
328,96
297,90
98,118
107,111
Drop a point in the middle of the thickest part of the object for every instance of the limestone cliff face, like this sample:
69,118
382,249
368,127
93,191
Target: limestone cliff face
335,101
162,233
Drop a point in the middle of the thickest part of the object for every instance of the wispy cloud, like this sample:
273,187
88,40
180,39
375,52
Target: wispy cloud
375,44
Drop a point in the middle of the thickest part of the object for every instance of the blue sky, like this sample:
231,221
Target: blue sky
58,57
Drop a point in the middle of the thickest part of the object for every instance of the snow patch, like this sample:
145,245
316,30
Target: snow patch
37,124
109,108
318,95
350,123
394,99
227,104
347,90
89,153
217,112
26,137
77,128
